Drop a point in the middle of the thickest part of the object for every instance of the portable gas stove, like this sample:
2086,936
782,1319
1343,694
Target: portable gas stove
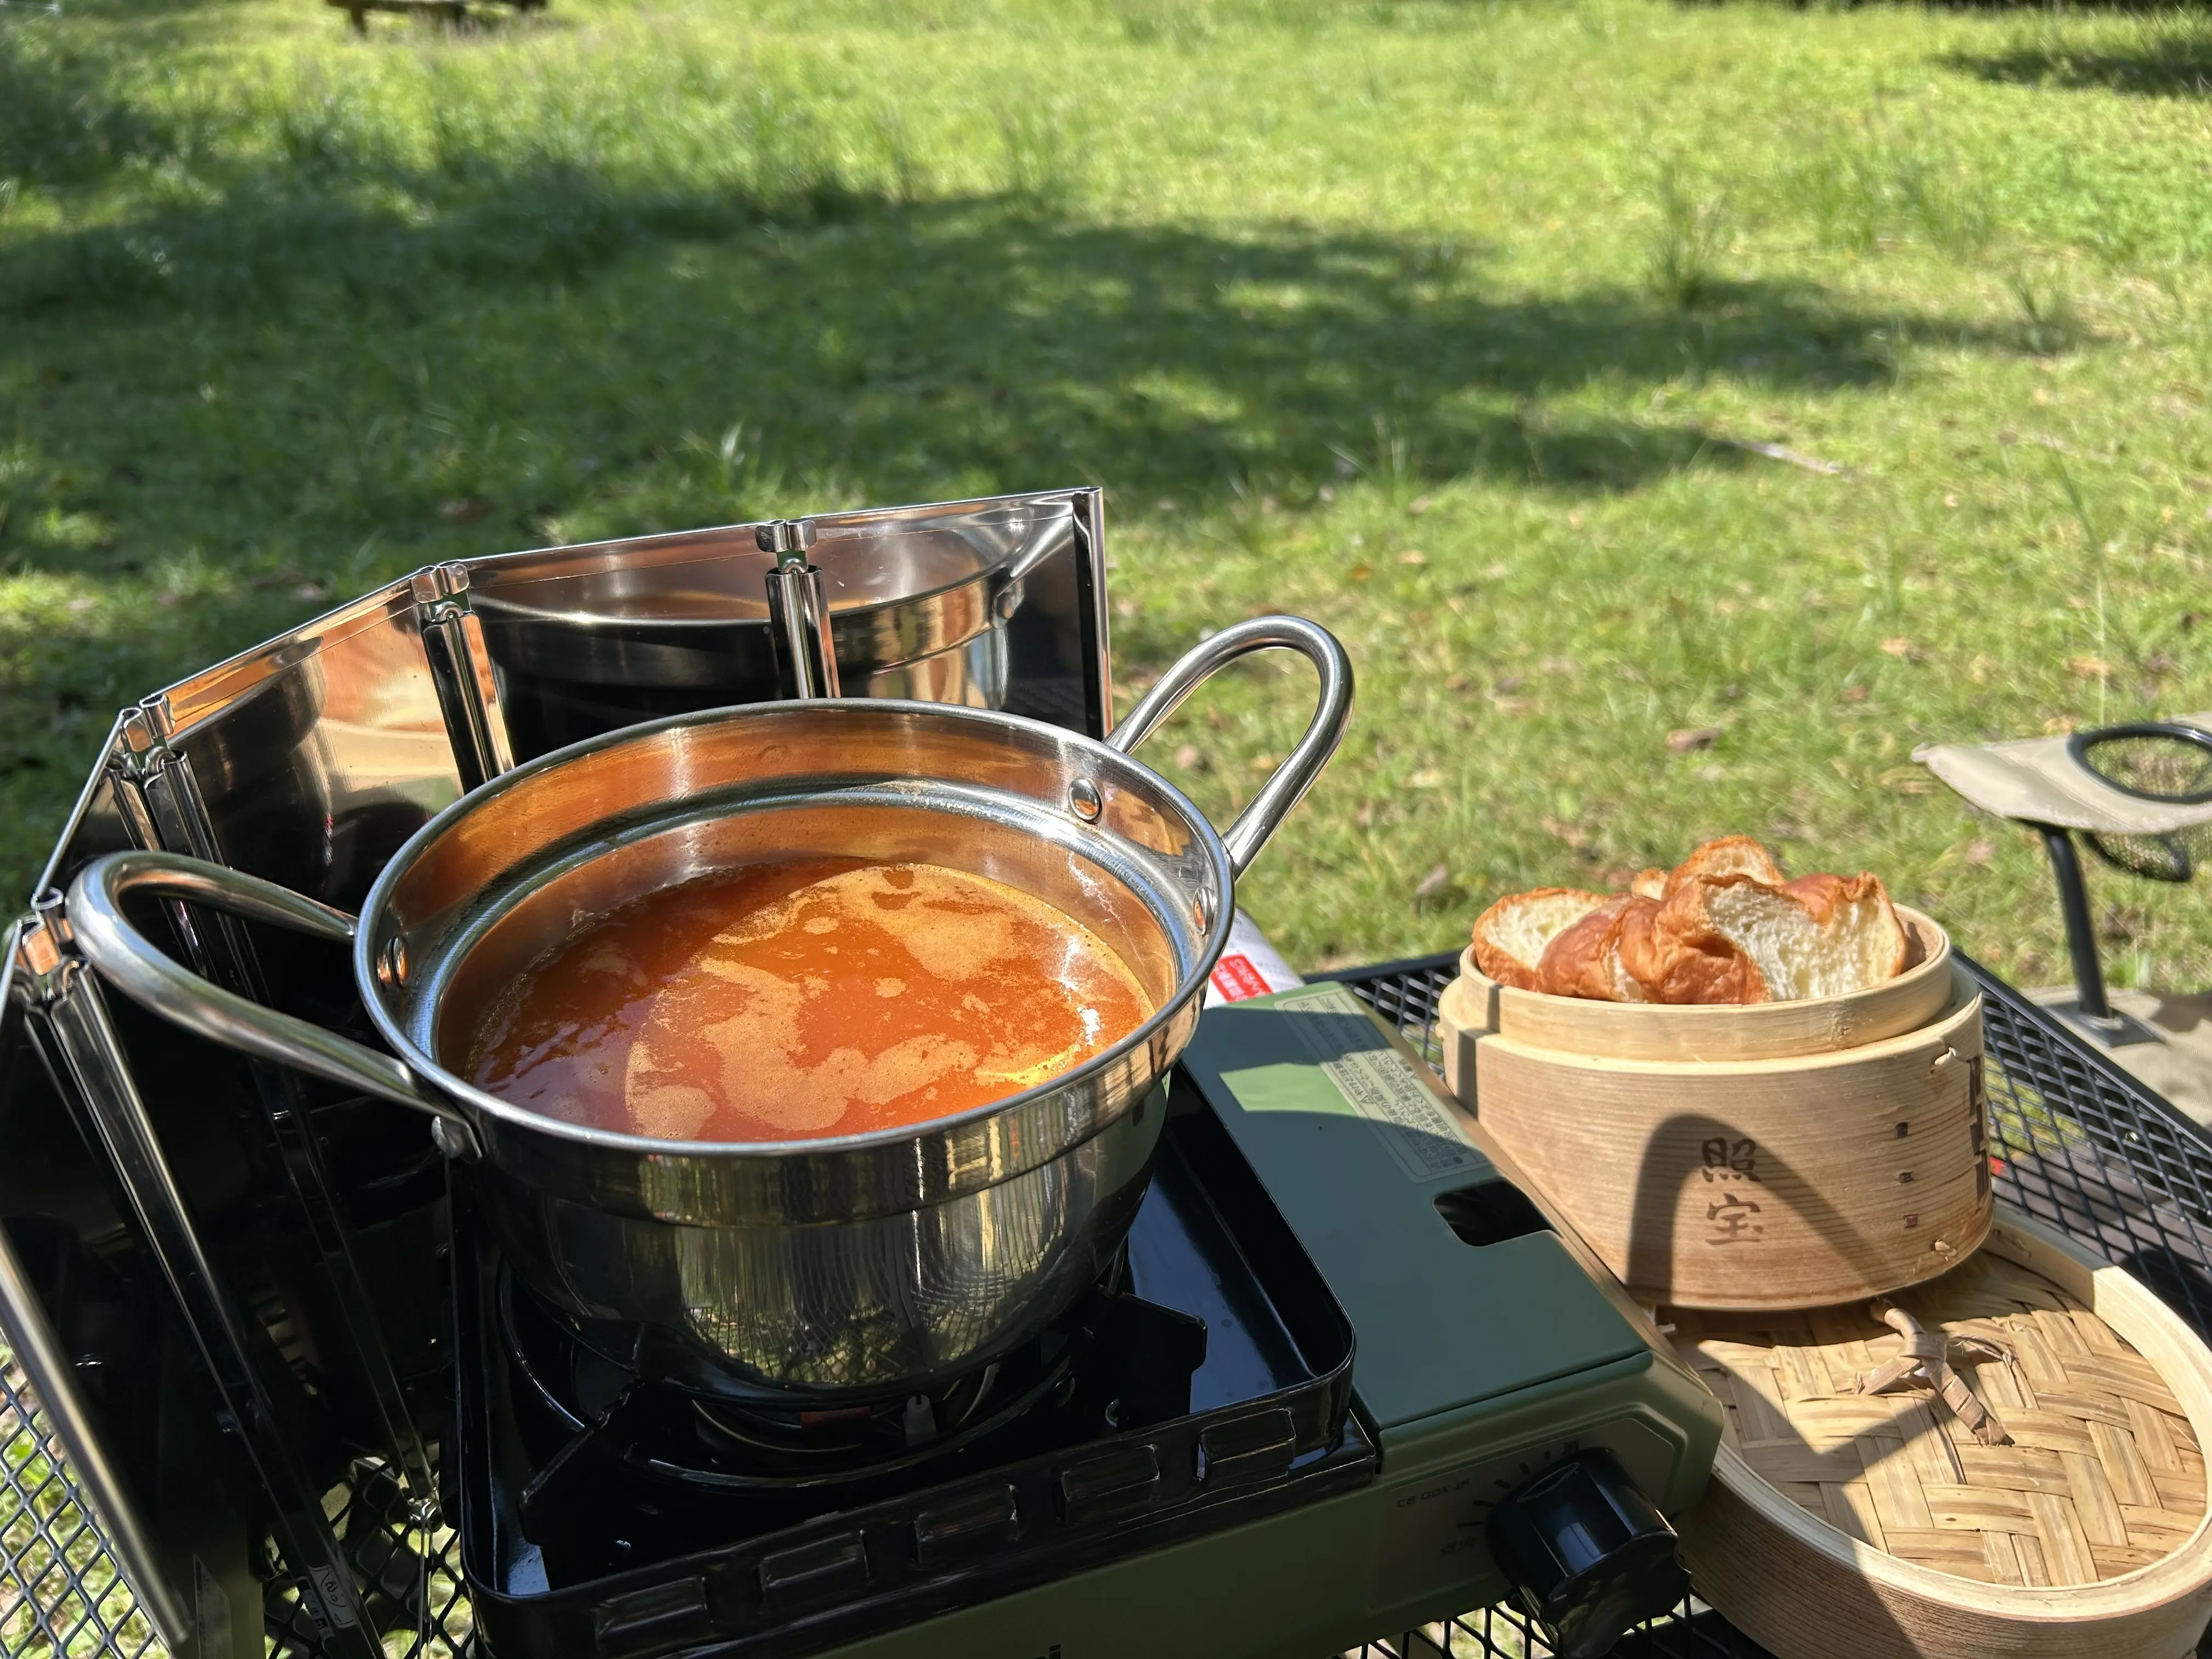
1196,1433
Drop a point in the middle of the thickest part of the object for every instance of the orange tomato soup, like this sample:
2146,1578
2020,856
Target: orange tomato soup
789,1001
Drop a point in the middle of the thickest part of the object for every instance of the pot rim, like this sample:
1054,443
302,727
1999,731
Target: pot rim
1190,983
508,609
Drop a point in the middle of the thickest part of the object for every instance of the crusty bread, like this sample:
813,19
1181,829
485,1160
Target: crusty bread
1584,961
1723,925
1856,910
1511,935
1673,968
1818,936
1731,855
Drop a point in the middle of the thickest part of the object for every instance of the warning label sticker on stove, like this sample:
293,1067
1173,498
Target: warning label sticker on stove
1379,1082
1433,1535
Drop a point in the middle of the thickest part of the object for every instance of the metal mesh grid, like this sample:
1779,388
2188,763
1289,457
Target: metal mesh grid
2076,1144
411,1576
60,1591
1692,1631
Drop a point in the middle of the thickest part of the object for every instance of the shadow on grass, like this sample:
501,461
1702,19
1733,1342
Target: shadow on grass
2176,65
893,344
60,124
2167,54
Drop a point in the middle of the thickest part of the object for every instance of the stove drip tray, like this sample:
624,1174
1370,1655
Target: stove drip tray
611,1504
1117,1361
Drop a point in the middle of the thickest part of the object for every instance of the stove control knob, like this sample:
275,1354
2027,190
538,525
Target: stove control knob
1586,1553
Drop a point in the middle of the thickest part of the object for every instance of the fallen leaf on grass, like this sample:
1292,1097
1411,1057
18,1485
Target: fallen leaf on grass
1433,883
1692,739
2088,668
1511,707
1854,694
1899,646
463,509
1572,834
1413,556
1359,572
1187,757
1908,781
1427,778
1787,456
1263,763
1980,851
1417,506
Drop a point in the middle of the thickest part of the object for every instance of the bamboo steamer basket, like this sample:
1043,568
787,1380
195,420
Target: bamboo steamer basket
1847,1526
1828,1174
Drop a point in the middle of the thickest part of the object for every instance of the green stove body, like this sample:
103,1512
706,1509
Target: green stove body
1486,1357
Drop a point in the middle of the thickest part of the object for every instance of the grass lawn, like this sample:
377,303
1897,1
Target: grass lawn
1474,330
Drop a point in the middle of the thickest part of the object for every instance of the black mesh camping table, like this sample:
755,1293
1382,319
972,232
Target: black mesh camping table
2079,1144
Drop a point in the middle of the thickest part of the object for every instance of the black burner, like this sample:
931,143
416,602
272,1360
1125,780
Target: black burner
1204,1381
710,1433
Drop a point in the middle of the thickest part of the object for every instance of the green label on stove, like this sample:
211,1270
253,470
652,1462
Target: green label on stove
1376,1081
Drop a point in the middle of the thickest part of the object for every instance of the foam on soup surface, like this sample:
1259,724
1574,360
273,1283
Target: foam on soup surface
788,1001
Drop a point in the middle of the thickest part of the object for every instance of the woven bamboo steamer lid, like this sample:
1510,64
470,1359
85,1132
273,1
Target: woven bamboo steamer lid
1847,1526
1793,1181
1765,1031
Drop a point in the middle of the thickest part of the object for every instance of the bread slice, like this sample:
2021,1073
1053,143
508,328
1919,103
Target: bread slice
1648,884
1821,936
1731,855
1510,936
1675,967
1584,961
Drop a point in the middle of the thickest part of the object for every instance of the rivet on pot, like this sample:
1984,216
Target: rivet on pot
391,962
1083,799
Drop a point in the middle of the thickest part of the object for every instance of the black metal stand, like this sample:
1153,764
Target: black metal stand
2080,934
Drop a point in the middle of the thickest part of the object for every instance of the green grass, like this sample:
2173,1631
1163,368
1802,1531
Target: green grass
1448,323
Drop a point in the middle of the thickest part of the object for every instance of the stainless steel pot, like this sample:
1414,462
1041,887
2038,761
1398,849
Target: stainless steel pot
857,1265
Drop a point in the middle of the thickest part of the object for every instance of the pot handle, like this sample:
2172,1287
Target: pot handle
1259,820
131,963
